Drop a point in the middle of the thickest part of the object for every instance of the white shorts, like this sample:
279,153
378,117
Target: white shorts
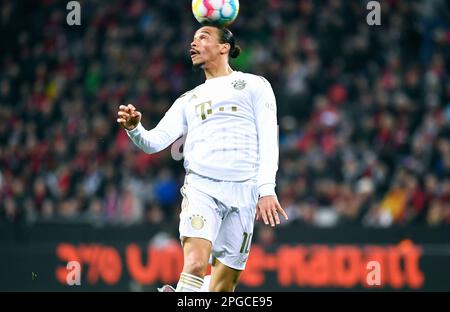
222,212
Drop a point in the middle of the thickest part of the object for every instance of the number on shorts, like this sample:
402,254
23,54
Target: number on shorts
246,243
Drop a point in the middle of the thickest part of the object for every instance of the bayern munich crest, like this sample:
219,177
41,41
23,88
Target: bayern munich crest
239,84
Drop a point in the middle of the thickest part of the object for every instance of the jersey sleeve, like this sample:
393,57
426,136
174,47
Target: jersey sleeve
265,110
172,126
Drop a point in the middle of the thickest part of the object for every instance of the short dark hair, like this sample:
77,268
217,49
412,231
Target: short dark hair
226,36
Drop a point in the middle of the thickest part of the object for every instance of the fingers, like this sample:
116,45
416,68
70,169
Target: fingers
281,210
264,217
261,213
270,215
127,108
269,212
123,118
123,115
276,217
126,114
136,115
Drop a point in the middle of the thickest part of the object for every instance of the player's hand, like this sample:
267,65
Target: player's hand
128,117
268,208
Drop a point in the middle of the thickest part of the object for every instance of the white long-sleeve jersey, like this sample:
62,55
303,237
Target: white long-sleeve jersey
231,130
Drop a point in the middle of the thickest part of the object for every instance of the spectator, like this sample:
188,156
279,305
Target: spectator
356,106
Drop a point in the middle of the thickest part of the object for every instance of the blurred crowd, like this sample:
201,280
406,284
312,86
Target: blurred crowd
364,111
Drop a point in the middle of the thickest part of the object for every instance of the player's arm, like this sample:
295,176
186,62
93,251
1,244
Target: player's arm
170,128
267,128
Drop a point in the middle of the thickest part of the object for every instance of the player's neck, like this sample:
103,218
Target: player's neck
217,71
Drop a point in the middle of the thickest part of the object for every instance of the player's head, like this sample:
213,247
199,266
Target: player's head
212,45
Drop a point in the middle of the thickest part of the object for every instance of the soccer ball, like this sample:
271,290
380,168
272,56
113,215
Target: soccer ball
217,12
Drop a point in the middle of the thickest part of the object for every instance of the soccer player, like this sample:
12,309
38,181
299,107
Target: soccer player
230,157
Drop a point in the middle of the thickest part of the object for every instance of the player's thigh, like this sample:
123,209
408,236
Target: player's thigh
198,217
223,278
233,242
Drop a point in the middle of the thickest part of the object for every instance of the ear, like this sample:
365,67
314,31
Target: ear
225,48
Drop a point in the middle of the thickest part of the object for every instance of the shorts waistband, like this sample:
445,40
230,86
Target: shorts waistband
189,171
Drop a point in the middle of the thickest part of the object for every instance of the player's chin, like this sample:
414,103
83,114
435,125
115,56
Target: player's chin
196,66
